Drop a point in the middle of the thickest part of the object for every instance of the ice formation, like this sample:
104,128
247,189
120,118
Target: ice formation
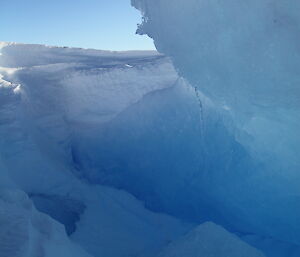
48,95
123,153
27,233
244,56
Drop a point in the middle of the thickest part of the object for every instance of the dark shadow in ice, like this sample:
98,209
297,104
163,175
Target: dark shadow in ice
65,210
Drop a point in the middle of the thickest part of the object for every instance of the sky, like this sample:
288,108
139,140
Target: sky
99,24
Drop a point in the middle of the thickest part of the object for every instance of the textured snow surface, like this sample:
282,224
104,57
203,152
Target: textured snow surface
47,95
27,233
202,242
116,224
244,56
117,156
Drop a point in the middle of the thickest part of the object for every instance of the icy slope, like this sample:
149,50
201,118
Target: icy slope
27,233
71,119
56,95
44,103
244,56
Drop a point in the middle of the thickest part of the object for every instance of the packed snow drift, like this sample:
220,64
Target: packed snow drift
113,154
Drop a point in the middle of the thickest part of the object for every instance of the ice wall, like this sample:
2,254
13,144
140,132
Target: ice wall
244,56
71,119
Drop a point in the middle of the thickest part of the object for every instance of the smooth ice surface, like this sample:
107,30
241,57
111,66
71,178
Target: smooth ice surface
244,56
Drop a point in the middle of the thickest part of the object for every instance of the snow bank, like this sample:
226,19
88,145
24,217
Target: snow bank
71,119
27,55
117,224
27,233
202,242
47,96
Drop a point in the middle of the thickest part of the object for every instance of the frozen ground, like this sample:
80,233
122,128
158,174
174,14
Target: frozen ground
122,152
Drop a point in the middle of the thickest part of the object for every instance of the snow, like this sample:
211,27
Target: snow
27,233
44,104
202,241
119,225
82,93
118,156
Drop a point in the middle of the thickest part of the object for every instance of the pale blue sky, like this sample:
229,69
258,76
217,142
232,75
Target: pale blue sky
100,24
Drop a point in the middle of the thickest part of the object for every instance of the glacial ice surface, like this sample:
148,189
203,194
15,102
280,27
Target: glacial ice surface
47,96
245,57
79,128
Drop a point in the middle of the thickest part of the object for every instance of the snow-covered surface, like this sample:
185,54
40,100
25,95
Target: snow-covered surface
116,224
41,101
73,119
202,242
24,232
45,99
